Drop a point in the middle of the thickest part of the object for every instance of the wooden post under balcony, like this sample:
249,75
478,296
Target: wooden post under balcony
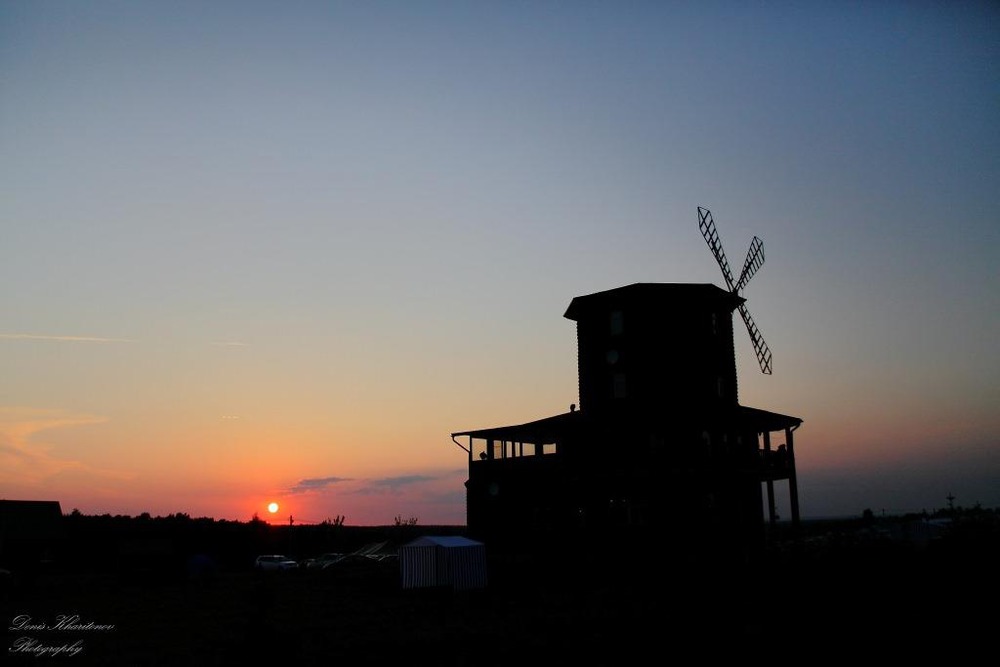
793,487
772,515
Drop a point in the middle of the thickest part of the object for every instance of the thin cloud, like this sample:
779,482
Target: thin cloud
402,480
318,484
8,449
65,339
393,484
230,343
445,498
25,459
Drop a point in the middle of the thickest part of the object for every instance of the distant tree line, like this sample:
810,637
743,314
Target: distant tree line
145,543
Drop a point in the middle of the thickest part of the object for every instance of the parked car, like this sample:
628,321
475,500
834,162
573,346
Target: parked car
275,562
320,562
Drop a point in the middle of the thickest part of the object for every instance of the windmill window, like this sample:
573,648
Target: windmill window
617,323
619,385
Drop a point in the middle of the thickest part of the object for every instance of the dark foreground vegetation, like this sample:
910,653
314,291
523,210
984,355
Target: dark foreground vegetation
182,591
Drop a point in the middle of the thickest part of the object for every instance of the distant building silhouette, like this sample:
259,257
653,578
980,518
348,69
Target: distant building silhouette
659,440
31,532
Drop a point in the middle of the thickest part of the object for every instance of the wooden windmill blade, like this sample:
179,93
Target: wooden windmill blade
760,348
707,227
754,260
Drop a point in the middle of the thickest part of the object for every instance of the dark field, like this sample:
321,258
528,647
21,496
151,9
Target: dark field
594,603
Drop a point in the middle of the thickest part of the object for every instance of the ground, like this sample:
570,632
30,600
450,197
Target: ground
602,606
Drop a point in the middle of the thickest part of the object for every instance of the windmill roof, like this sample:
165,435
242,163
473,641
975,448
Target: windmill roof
765,420
559,427
674,294
540,431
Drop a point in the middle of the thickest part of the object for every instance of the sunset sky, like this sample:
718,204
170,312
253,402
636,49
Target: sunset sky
279,251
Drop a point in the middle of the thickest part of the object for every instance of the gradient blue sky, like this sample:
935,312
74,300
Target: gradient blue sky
262,250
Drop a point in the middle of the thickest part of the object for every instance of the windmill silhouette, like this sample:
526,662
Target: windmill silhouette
658,442
754,260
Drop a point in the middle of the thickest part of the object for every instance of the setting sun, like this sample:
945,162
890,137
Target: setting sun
272,508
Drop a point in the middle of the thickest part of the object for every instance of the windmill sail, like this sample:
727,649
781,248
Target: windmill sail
707,227
760,348
755,259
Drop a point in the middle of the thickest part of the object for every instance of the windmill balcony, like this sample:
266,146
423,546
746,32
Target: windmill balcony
776,464
499,450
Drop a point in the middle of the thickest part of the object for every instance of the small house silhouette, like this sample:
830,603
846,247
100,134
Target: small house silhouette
31,534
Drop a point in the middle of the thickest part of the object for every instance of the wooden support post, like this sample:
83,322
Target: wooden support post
772,514
793,486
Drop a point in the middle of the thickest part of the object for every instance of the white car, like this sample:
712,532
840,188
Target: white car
275,562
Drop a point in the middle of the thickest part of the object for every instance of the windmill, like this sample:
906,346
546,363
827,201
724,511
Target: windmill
755,259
